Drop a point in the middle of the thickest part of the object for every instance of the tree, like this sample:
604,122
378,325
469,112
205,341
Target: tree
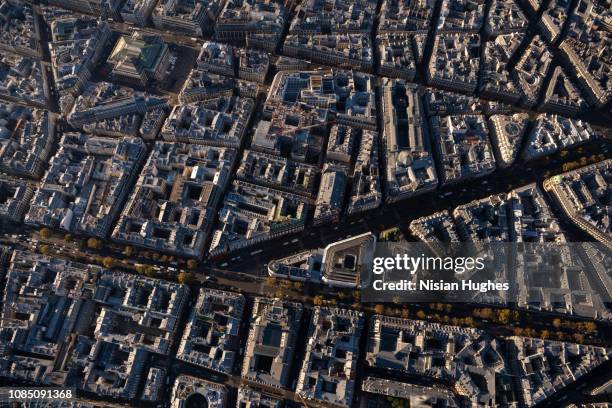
379,309
45,233
421,315
590,327
545,334
317,301
299,285
128,251
44,249
556,323
486,313
94,243
570,165
149,270
405,313
503,316
68,238
185,278
398,402
192,264
108,262
579,338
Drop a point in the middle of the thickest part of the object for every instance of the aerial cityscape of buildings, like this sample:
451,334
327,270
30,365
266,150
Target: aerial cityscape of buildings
192,192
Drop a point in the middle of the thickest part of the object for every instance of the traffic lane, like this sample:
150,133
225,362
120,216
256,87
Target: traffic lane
401,213
573,391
